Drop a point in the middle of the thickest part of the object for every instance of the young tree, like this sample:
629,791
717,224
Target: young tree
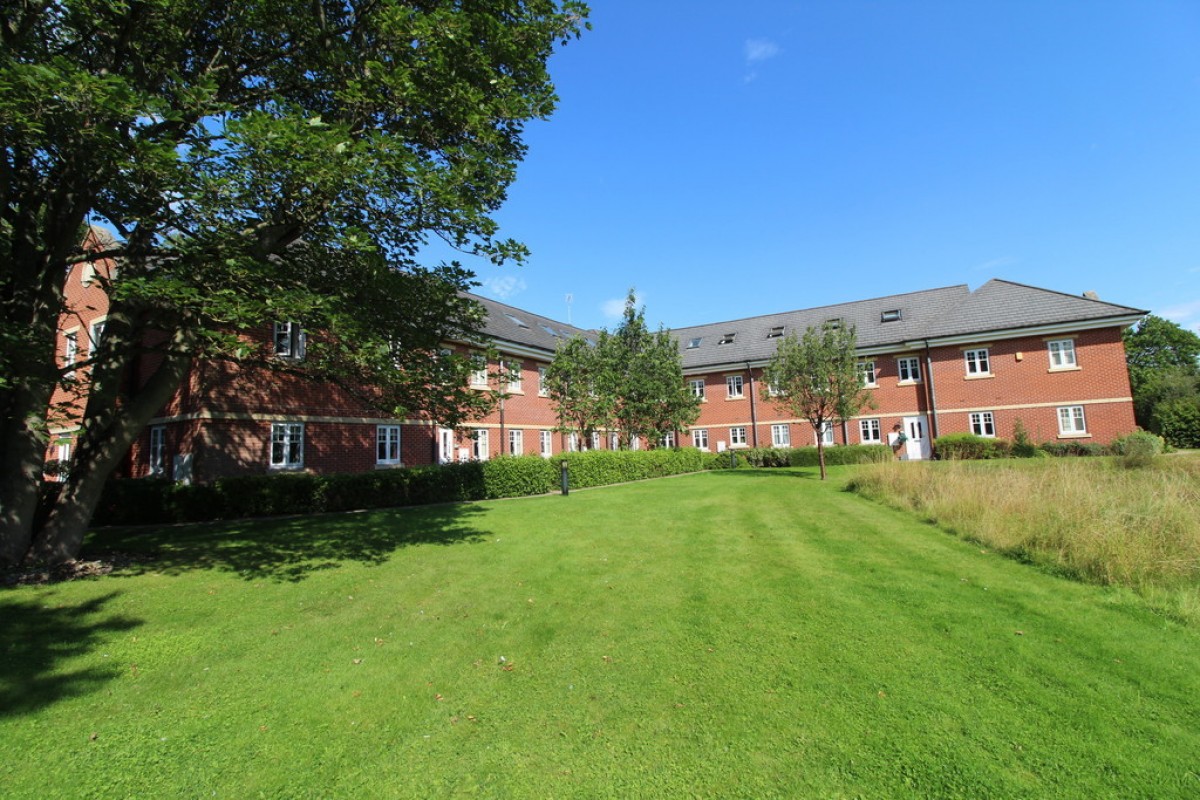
575,382
645,379
257,160
816,377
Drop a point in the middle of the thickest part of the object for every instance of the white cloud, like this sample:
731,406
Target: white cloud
505,286
1184,313
1003,261
615,309
758,50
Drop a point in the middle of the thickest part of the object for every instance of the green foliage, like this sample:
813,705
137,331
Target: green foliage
816,377
1164,372
1022,445
1138,449
630,380
1073,447
840,455
143,501
969,446
257,161
730,459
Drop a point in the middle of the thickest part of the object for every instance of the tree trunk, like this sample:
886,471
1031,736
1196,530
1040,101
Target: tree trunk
109,429
821,452
21,460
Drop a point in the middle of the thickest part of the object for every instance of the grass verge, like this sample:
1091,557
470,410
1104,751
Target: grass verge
740,634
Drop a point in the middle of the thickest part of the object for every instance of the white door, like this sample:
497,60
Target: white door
917,447
445,445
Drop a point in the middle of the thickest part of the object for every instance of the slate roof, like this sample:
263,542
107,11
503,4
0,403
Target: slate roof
952,311
507,323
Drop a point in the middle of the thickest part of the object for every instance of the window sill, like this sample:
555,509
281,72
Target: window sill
1064,369
286,467
1083,435
736,397
907,383
389,465
980,377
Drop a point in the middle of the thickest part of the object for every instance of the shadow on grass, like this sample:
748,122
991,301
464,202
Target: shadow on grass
36,637
285,549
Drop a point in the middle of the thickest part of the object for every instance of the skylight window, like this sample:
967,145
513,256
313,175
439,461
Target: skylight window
728,338
891,315
517,320
548,329
775,332
694,343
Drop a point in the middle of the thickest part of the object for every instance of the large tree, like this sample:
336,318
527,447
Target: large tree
256,160
1164,373
816,377
629,380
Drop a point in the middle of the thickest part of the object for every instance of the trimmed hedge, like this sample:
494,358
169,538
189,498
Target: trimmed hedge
968,446
149,501
835,455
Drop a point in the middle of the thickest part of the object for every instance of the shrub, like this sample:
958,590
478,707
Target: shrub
1074,448
1179,421
130,501
767,456
518,476
730,459
968,446
1138,449
1022,445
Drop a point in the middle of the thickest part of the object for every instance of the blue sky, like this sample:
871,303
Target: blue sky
730,159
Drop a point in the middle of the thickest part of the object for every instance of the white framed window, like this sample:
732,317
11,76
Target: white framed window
595,440
668,439
288,338
827,433
287,445
1062,353
635,443
516,443
781,435
978,362
96,331
733,386
158,450
387,444
546,442
70,352
479,444
573,443
697,387
479,376
614,441
542,389
868,431
700,439
1071,421
909,369
513,374
737,436
62,454
867,370
983,424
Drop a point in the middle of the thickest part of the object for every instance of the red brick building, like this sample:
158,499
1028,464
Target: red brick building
938,361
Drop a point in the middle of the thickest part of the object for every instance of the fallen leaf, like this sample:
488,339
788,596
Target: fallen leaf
93,737
357,661
1019,633
437,697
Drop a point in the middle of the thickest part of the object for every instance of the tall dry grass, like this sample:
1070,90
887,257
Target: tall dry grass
1089,518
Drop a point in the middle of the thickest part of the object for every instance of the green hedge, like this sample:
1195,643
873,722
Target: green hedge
147,501
808,457
968,446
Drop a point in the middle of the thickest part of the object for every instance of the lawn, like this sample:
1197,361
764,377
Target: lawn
749,634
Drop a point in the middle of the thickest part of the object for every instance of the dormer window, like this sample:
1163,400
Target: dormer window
694,344
728,338
775,332
891,315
